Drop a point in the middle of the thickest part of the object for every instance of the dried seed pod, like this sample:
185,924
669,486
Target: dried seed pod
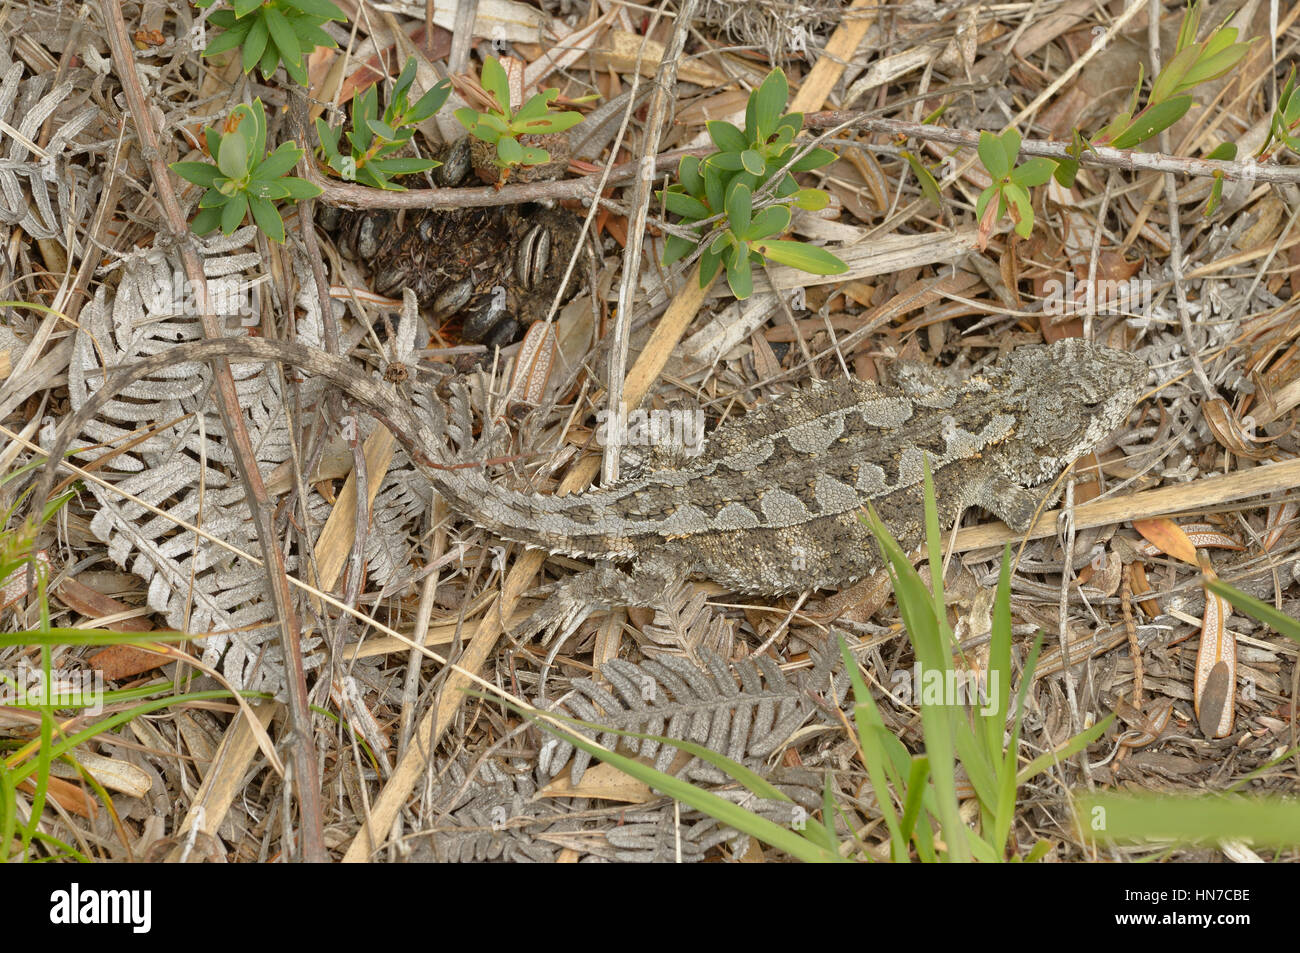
533,256
455,166
453,298
484,313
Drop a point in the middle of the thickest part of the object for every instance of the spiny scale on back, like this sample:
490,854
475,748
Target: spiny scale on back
773,503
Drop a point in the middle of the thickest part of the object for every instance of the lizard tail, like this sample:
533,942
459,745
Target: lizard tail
531,519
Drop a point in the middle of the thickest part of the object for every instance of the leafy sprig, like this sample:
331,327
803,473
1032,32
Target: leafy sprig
244,178
501,126
724,183
374,140
1286,117
1011,183
1193,63
271,33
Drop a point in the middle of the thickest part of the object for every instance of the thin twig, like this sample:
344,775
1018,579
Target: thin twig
259,504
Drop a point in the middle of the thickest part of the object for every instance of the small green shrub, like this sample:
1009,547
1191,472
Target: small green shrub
244,178
271,33
500,126
374,140
723,184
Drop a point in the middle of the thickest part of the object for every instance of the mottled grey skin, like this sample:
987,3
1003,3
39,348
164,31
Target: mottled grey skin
773,503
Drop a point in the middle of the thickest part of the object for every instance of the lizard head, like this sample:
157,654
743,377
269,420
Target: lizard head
1071,396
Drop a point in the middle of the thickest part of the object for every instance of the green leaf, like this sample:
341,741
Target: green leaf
537,106
1170,79
1223,152
214,197
1263,821
310,35
1024,209
232,214
1258,610
686,206
688,174
982,202
1190,24
1114,127
929,187
205,221
809,258
295,67
1216,196
535,156
1065,172
1010,147
714,185
267,219
243,8
509,152
271,189
1212,67
763,111
494,80
1220,40
365,107
993,156
772,220
551,123
709,262
404,165
740,275
727,161
815,159
752,161
495,123
256,113
284,158
232,160
811,200
469,119
230,39
1034,172
368,176
1152,122
740,206
283,35
270,58
255,44
428,104
676,248
317,8
382,129
328,136
726,136
404,80
297,188
200,173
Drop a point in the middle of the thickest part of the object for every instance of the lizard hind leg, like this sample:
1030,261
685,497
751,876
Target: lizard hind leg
651,578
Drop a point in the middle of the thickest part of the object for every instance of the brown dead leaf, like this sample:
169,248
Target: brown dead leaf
1167,537
1232,433
602,781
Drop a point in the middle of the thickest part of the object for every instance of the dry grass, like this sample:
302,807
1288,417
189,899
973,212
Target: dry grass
404,765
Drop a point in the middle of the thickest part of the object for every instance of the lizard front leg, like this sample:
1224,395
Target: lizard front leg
649,580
